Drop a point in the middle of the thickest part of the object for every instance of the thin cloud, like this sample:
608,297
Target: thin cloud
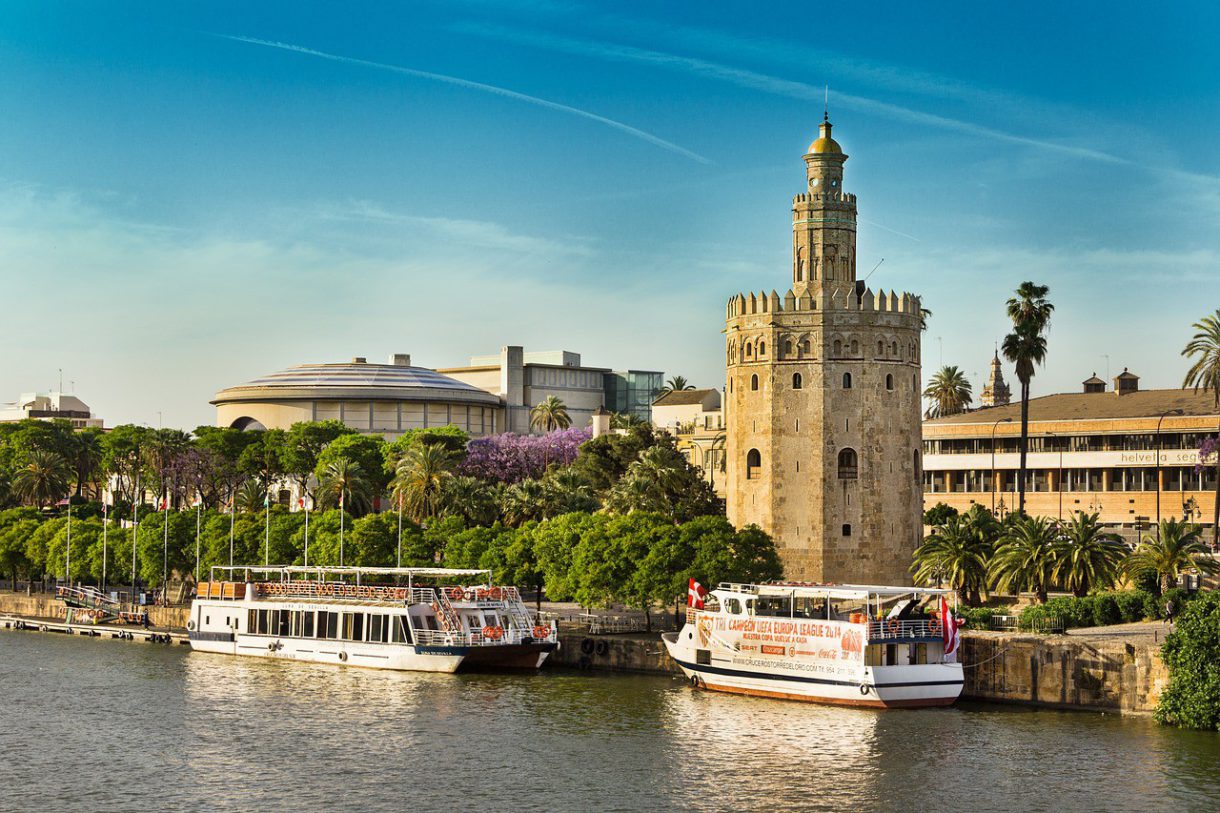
470,85
779,86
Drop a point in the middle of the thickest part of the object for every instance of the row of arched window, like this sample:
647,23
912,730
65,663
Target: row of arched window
848,464
798,382
800,347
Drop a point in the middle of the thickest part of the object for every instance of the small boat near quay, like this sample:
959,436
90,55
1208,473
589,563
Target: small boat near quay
854,645
417,619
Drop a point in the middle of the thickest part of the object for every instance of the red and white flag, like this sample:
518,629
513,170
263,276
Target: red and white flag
105,509
301,503
948,627
695,594
164,504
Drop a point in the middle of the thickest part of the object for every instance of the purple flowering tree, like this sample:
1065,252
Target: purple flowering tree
511,458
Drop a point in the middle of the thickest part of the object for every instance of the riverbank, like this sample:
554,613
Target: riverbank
1107,670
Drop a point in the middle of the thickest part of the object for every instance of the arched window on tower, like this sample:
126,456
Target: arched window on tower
847,381
805,347
800,264
754,382
753,464
848,464
762,348
855,347
796,381
889,381
838,347
894,348
880,348
788,349
749,350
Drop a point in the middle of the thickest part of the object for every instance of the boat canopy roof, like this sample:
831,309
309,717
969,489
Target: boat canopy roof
831,591
288,571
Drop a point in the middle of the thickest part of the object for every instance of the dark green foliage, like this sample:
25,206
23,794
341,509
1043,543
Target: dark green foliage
939,514
1192,653
979,618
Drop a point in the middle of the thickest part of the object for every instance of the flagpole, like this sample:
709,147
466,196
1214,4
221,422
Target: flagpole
232,510
400,530
165,555
68,564
340,529
198,520
267,544
105,524
135,527
305,505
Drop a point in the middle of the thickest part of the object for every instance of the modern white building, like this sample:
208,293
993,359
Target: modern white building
48,407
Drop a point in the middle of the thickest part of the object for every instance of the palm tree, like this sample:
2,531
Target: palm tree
1030,312
1175,548
42,479
1088,556
924,316
1027,556
522,502
954,553
471,499
344,484
550,415
566,491
1204,375
87,456
949,393
625,420
251,496
676,383
420,479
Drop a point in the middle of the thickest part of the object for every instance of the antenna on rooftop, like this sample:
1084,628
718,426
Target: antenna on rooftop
826,109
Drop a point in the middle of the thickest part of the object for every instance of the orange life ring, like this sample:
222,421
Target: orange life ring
893,625
542,632
493,633
456,593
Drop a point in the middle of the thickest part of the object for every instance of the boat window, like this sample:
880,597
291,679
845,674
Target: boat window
472,621
774,606
297,621
328,624
252,621
307,628
263,624
353,626
282,626
376,626
493,620
733,606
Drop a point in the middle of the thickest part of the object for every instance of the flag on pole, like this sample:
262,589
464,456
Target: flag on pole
340,500
105,509
949,628
198,501
301,503
164,504
267,500
695,594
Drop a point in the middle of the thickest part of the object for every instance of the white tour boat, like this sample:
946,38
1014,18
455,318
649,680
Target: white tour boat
855,645
405,618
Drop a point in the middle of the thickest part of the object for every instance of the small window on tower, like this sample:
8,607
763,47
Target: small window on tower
754,382
846,529
749,350
753,463
889,381
805,347
847,381
796,381
787,348
762,348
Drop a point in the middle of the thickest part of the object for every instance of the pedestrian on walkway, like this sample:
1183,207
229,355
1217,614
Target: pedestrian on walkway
1169,609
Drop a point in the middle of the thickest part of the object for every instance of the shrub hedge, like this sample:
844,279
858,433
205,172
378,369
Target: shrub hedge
1102,609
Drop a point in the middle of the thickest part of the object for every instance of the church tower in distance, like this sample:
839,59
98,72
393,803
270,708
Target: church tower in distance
823,401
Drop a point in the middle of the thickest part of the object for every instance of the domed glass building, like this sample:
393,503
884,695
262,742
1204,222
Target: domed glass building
385,399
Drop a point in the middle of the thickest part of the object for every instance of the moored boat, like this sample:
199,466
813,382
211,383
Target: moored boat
856,645
419,619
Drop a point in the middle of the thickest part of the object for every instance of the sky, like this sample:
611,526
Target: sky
192,195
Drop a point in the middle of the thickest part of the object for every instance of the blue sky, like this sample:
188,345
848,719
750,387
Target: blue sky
195,194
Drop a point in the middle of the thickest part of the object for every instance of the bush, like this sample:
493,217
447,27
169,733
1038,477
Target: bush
1106,610
1131,605
1192,653
979,618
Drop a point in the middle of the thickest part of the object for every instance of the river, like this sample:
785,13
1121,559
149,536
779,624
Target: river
96,725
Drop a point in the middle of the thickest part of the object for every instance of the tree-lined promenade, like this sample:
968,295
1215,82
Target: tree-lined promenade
622,518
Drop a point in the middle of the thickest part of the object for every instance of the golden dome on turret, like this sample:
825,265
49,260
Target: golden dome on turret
824,143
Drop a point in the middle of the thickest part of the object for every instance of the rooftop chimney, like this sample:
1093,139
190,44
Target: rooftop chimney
400,359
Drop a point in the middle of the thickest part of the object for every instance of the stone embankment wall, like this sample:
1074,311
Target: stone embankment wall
44,605
1064,671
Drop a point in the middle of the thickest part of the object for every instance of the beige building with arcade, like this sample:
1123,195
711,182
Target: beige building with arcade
823,401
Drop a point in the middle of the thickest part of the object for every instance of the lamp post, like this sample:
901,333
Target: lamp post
993,477
1059,476
1158,466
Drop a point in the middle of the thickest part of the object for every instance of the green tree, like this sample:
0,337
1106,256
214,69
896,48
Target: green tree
374,540
343,483
163,455
1175,548
554,543
304,444
1204,374
263,459
957,555
676,383
662,481
452,438
523,502
123,456
420,480
42,478
1026,557
471,499
251,497
87,456
1192,654
948,393
939,514
1030,312
1089,556
565,490
604,460
550,415
367,452
16,525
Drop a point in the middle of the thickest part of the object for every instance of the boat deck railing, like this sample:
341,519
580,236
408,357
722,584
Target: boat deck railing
497,637
896,629
86,596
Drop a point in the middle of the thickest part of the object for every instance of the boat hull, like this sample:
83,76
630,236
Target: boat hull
341,653
925,685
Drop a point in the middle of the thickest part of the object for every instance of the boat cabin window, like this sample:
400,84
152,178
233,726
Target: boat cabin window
307,629
808,607
774,606
738,607
493,620
400,633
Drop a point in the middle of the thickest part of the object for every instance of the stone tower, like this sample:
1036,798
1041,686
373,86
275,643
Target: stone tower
823,435
996,392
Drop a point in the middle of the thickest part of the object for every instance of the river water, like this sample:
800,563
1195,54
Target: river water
98,725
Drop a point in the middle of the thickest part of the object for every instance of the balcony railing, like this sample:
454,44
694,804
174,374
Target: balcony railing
894,629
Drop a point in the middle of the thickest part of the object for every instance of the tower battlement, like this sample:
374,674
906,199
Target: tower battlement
840,299
824,198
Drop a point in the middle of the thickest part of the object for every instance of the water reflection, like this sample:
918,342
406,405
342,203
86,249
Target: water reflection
102,725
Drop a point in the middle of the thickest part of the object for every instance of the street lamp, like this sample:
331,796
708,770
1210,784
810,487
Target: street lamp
993,477
1059,477
1158,465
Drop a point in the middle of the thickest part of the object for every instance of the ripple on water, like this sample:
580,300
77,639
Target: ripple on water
99,725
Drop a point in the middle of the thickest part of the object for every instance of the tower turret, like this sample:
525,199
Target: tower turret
996,392
824,222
